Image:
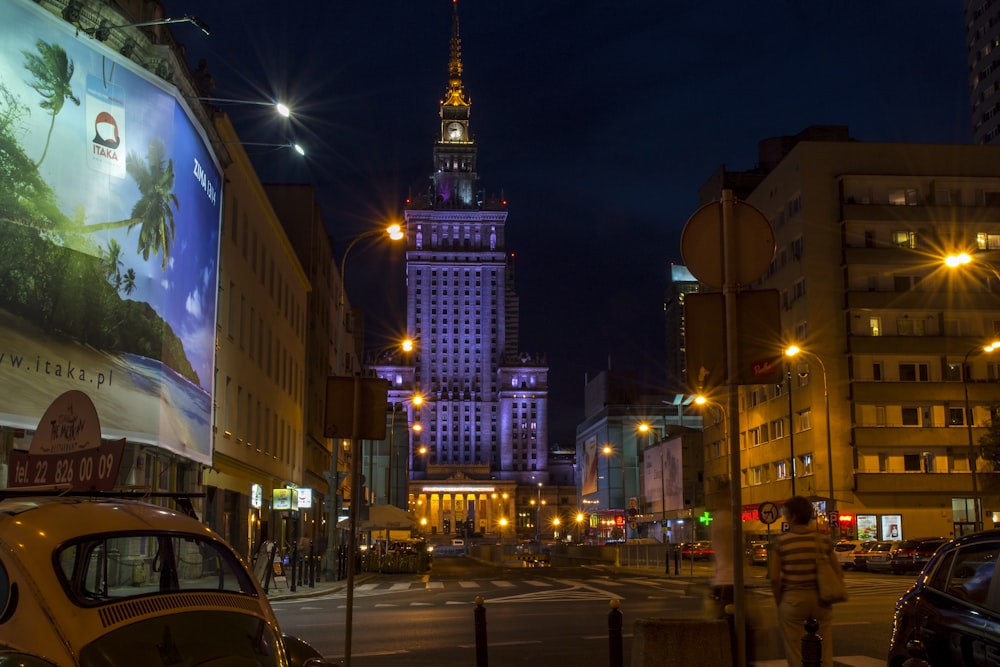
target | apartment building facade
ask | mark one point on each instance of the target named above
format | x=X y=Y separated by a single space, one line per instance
x=872 y=421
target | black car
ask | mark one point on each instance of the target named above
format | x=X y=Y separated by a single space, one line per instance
x=951 y=615
x=912 y=555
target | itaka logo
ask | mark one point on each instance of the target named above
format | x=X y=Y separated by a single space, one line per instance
x=106 y=130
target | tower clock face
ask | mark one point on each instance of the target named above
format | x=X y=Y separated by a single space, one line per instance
x=455 y=130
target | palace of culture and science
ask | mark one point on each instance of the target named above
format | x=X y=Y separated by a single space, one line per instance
x=481 y=431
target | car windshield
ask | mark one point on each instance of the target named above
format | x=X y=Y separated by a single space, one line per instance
x=202 y=638
x=845 y=547
x=908 y=544
x=104 y=568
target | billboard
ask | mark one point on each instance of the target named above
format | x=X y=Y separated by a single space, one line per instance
x=109 y=239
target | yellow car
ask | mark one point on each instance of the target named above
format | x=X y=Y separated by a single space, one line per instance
x=112 y=582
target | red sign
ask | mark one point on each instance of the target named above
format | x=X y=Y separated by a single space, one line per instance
x=93 y=469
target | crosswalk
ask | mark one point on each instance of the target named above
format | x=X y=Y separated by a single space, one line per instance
x=504 y=590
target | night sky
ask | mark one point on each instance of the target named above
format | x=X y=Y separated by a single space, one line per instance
x=598 y=121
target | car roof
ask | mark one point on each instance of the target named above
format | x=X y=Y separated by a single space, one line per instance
x=67 y=517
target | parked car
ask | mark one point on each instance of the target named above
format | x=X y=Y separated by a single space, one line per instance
x=912 y=555
x=103 y=581
x=845 y=551
x=879 y=557
x=951 y=615
x=757 y=553
x=697 y=550
x=861 y=555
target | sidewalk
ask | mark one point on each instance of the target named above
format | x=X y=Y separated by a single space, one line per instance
x=282 y=590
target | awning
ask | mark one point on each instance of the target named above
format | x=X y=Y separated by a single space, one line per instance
x=381 y=517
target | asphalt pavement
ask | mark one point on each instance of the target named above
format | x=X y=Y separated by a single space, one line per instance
x=698 y=573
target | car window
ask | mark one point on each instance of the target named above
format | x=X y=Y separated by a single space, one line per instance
x=969 y=572
x=845 y=547
x=106 y=568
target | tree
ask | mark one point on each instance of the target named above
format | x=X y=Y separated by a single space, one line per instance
x=128 y=283
x=154 y=212
x=113 y=264
x=53 y=71
x=990 y=443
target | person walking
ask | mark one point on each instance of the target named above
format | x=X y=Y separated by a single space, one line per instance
x=793 y=581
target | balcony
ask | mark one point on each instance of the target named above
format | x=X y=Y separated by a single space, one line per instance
x=954 y=484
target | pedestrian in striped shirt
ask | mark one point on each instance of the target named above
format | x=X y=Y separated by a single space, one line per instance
x=793 y=581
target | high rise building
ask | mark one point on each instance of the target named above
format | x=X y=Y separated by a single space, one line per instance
x=982 y=32
x=484 y=421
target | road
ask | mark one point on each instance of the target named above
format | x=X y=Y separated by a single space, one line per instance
x=561 y=614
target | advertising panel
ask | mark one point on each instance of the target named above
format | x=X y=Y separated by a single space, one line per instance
x=867 y=527
x=892 y=527
x=109 y=239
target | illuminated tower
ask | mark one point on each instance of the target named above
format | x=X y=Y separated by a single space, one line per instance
x=487 y=408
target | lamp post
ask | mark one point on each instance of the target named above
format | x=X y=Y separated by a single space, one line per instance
x=282 y=109
x=792 y=351
x=973 y=454
x=416 y=400
x=333 y=509
x=395 y=233
x=791 y=426
x=538 y=515
x=608 y=451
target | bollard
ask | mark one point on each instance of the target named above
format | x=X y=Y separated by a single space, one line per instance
x=677 y=560
x=482 y=658
x=616 y=648
x=269 y=570
x=312 y=566
x=812 y=645
x=294 y=561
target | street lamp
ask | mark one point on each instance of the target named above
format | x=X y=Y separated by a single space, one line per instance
x=292 y=145
x=791 y=426
x=416 y=400
x=973 y=454
x=579 y=527
x=102 y=31
x=608 y=451
x=282 y=109
x=394 y=232
x=792 y=351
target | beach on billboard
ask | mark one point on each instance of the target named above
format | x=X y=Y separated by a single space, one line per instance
x=145 y=404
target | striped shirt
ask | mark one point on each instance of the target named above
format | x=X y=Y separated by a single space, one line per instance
x=798 y=551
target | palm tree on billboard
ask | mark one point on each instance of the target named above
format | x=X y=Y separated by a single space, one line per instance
x=53 y=70
x=153 y=213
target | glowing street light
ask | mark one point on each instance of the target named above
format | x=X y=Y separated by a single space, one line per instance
x=792 y=351
x=280 y=107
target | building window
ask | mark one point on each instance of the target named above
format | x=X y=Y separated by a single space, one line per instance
x=911 y=462
x=904 y=239
x=875 y=326
x=956 y=417
x=877 y=371
x=911 y=416
x=986 y=241
x=913 y=372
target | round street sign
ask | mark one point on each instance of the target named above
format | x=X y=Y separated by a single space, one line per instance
x=768 y=512
x=702 y=244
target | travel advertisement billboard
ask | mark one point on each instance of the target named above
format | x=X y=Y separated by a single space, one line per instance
x=109 y=239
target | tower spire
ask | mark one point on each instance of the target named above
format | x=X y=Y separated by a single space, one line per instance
x=456 y=92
